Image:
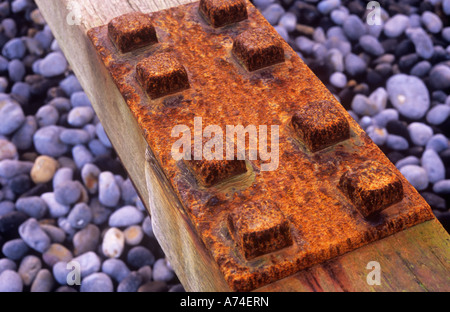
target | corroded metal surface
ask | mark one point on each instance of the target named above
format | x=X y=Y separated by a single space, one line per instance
x=333 y=191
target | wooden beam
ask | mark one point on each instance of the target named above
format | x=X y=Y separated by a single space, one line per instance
x=417 y=259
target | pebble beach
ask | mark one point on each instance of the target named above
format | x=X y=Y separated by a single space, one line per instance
x=65 y=196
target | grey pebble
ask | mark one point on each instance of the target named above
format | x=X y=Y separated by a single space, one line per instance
x=7 y=264
x=16 y=70
x=396 y=142
x=9 y=27
x=421 y=69
x=23 y=137
x=415 y=175
x=10 y=281
x=29 y=268
x=7 y=150
x=140 y=256
x=56 y=234
x=90 y=177
x=66 y=289
x=378 y=135
x=80 y=116
x=74 y=136
x=43 y=281
x=67 y=193
x=410 y=160
x=60 y=272
x=21 y=89
x=339 y=16
x=131 y=283
x=438 y=142
x=353 y=27
x=15 y=249
x=125 y=217
x=335 y=59
x=79 y=98
x=362 y=106
x=420 y=133
x=97 y=282
x=6 y=207
x=54 y=64
x=161 y=272
x=396 y=25
x=98 y=149
x=116 y=269
x=440 y=77
x=61 y=104
x=47 y=115
x=382 y=118
x=409 y=95
x=371 y=45
x=80 y=216
x=446 y=7
x=432 y=22
x=32 y=234
x=70 y=85
x=354 y=65
x=288 y=21
x=14 y=49
x=11 y=115
x=100 y=214
x=446 y=34
x=3 y=84
x=442 y=187
x=273 y=13
x=55 y=209
x=339 y=80
x=421 y=41
x=101 y=134
x=282 y=32
x=146 y=272
x=46 y=141
x=108 y=190
x=128 y=191
x=147 y=227
x=438 y=114
x=33 y=206
x=86 y=239
x=64 y=225
x=56 y=253
x=62 y=175
x=433 y=165
x=326 y=6
x=89 y=263
x=81 y=155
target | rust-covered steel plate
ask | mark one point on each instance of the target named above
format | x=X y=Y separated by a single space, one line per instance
x=332 y=190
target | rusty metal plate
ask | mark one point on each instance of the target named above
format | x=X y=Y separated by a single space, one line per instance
x=333 y=190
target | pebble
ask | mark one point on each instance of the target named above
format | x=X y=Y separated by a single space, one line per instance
x=74 y=136
x=421 y=69
x=89 y=263
x=54 y=64
x=433 y=165
x=67 y=193
x=161 y=272
x=43 y=169
x=7 y=150
x=378 y=135
x=442 y=187
x=326 y=6
x=70 y=85
x=133 y=235
x=108 y=190
x=61 y=104
x=335 y=60
x=81 y=155
x=288 y=21
x=15 y=249
x=432 y=22
x=97 y=282
x=339 y=80
x=55 y=209
x=339 y=16
x=90 y=176
x=362 y=106
x=273 y=13
x=97 y=148
x=130 y=283
x=113 y=243
x=153 y=287
x=125 y=216
x=43 y=282
x=55 y=233
x=79 y=98
x=116 y=269
x=446 y=7
x=354 y=65
x=65 y=226
x=282 y=32
x=46 y=141
x=80 y=216
x=353 y=27
x=60 y=272
x=16 y=71
x=47 y=115
x=100 y=214
x=421 y=41
x=86 y=239
x=420 y=133
x=382 y=118
x=415 y=175
x=128 y=191
x=23 y=137
x=410 y=160
x=147 y=227
x=11 y=115
x=34 y=236
x=62 y=176
x=7 y=264
x=29 y=268
x=371 y=45
x=440 y=77
x=409 y=95
x=56 y=253
x=10 y=281
x=102 y=136
x=396 y=142
x=146 y=272
x=14 y=49
x=33 y=206
x=438 y=143
x=6 y=207
x=140 y=256
x=80 y=116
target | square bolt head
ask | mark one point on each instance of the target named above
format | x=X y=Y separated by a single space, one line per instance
x=223 y=12
x=259 y=228
x=132 y=31
x=211 y=172
x=162 y=74
x=258 y=49
x=320 y=124
x=371 y=187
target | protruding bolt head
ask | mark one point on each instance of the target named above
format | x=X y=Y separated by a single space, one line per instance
x=259 y=228
x=371 y=187
x=223 y=12
x=132 y=31
x=257 y=49
x=320 y=124
x=211 y=172
x=162 y=74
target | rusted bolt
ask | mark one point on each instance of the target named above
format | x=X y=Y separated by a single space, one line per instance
x=320 y=124
x=162 y=74
x=259 y=228
x=223 y=12
x=258 y=49
x=211 y=172
x=131 y=31
x=371 y=187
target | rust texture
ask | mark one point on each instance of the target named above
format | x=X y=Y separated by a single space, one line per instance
x=223 y=12
x=257 y=49
x=132 y=31
x=320 y=124
x=161 y=75
x=261 y=226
